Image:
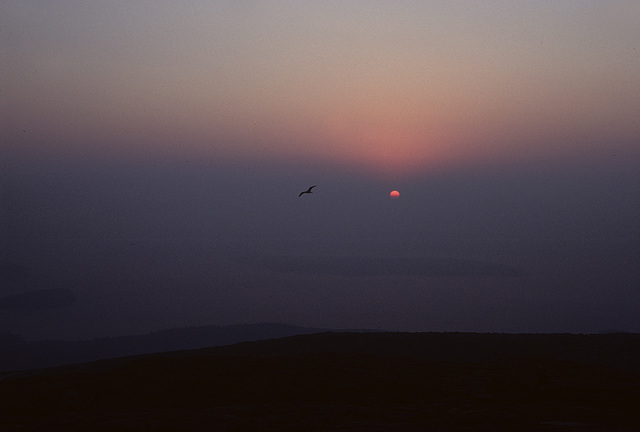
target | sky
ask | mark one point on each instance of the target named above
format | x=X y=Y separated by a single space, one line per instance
x=153 y=153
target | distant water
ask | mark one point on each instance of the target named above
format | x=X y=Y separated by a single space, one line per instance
x=128 y=286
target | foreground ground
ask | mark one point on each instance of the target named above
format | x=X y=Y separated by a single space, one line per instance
x=344 y=382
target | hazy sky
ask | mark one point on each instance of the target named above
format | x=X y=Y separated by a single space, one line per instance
x=416 y=86
x=510 y=128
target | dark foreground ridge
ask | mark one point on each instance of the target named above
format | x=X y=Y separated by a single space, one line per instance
x=16 y=353
x=344 y=382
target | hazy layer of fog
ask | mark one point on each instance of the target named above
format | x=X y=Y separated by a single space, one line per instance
x=148 y=247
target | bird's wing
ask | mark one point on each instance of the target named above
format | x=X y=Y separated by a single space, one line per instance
x=307 y=191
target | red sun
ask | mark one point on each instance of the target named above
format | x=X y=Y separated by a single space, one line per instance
x=394 y=194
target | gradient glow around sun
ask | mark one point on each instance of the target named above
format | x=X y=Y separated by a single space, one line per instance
x=394 y=194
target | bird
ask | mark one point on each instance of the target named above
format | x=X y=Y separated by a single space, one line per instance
x=307 y=191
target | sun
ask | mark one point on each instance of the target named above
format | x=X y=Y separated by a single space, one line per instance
x=394 y=194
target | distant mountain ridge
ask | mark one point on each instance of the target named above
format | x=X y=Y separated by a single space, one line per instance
x=19 y=354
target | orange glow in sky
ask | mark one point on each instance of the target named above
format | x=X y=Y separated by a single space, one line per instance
x=387 y=88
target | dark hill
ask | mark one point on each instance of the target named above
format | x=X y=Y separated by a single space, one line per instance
x=17 y=353
x=345 y=382
x=617 y=349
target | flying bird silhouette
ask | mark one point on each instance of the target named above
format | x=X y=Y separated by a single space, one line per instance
x=307 y=191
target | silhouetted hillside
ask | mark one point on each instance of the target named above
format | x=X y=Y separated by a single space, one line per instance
x=620 y=350
x=345 y=382
x=17 y=353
